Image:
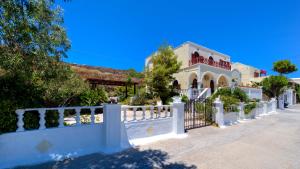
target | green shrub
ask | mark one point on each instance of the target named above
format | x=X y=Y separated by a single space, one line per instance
x=230 y=103
x=249 y=107
x=240 y=94
x=222 y=92
x=93 y=97
x=184 y=99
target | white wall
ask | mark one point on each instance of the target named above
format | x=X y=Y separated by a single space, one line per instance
x=148 y=128
x=21 y=148
x=113 y=135
x=253 y=93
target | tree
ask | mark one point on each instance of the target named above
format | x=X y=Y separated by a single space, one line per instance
x=274 y=86
x=159 y=78
x=284 y=67
x=33 y=43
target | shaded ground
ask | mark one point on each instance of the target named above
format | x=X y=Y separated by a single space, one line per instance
x=272 y=142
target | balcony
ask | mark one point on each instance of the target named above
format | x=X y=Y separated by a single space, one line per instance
x=209 y=61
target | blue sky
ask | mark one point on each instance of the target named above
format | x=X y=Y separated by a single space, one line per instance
x=121 y=34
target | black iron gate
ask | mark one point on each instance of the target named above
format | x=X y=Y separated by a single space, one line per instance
x=198 y=113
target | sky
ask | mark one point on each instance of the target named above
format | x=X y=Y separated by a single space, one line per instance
x=121 y=34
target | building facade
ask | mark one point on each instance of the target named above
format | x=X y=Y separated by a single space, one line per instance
x=202 y=69
x=249 y=73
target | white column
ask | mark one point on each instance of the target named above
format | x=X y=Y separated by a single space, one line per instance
x=281 y=102
x=112 y=127
x=178 y=118
x=265 y=107
x=61 y=117
x=42 y=113
x=219 y=116
x=20 y=122
x=274 y=104
x=241 y=112
x=78 y=122
x=93 y=115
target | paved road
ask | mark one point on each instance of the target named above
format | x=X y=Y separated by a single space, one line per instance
x=272 y=142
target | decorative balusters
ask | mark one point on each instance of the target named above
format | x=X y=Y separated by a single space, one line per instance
x=144 y=113
x=151 y=112
x=42 y=113
x=134 y=113
x=78 y=122
x=166 y=111
x=61 y=117
x=158 y=111
x=92 y=115
x=20 y=122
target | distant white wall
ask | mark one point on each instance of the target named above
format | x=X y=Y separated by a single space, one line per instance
x=253 y=93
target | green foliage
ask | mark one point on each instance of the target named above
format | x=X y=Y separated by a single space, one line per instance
x=230 y=103
x=249 y=107
x=159 y=78
x=273 y=86
x=207 y=107
x=231 y=98
x=134 y=74
x=184 y=99
x=93 y=97
x=284 y=67
x=222 y=92
x=33 y=43
x=240 y=94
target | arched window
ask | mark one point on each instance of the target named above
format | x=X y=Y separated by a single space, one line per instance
x=176 y=84
x=211 y=60
x=195 y=57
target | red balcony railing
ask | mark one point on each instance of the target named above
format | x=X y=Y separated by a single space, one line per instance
x=221 y=64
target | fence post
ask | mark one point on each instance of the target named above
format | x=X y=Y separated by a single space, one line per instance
x=241 y=112
x=281 y=102
x=274 y=104
x=178 y=118
x=220 y=112
x=112 y=127
x=265 y=106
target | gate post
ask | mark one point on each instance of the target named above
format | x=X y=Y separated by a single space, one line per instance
x=220 y=112
x=178 y=118
x=112 y=127
x=241 y=112
x=274 y=106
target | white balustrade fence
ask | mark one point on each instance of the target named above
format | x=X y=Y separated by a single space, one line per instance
x=137 y=113
x=117 y=128
x=61 y=112
x=231 y=115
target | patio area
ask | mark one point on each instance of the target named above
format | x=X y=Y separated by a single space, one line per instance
x=270 y=143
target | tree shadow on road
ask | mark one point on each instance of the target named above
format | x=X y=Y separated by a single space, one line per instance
x=128 y=159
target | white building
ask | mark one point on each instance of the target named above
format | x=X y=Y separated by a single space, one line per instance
x=202 y=71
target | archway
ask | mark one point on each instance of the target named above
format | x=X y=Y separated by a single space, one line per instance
x=193 y=80
x=222 y=81
x=206 y=78
x=195 y=84
x=212 y=86
x=176 y=85
x=195 y=57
